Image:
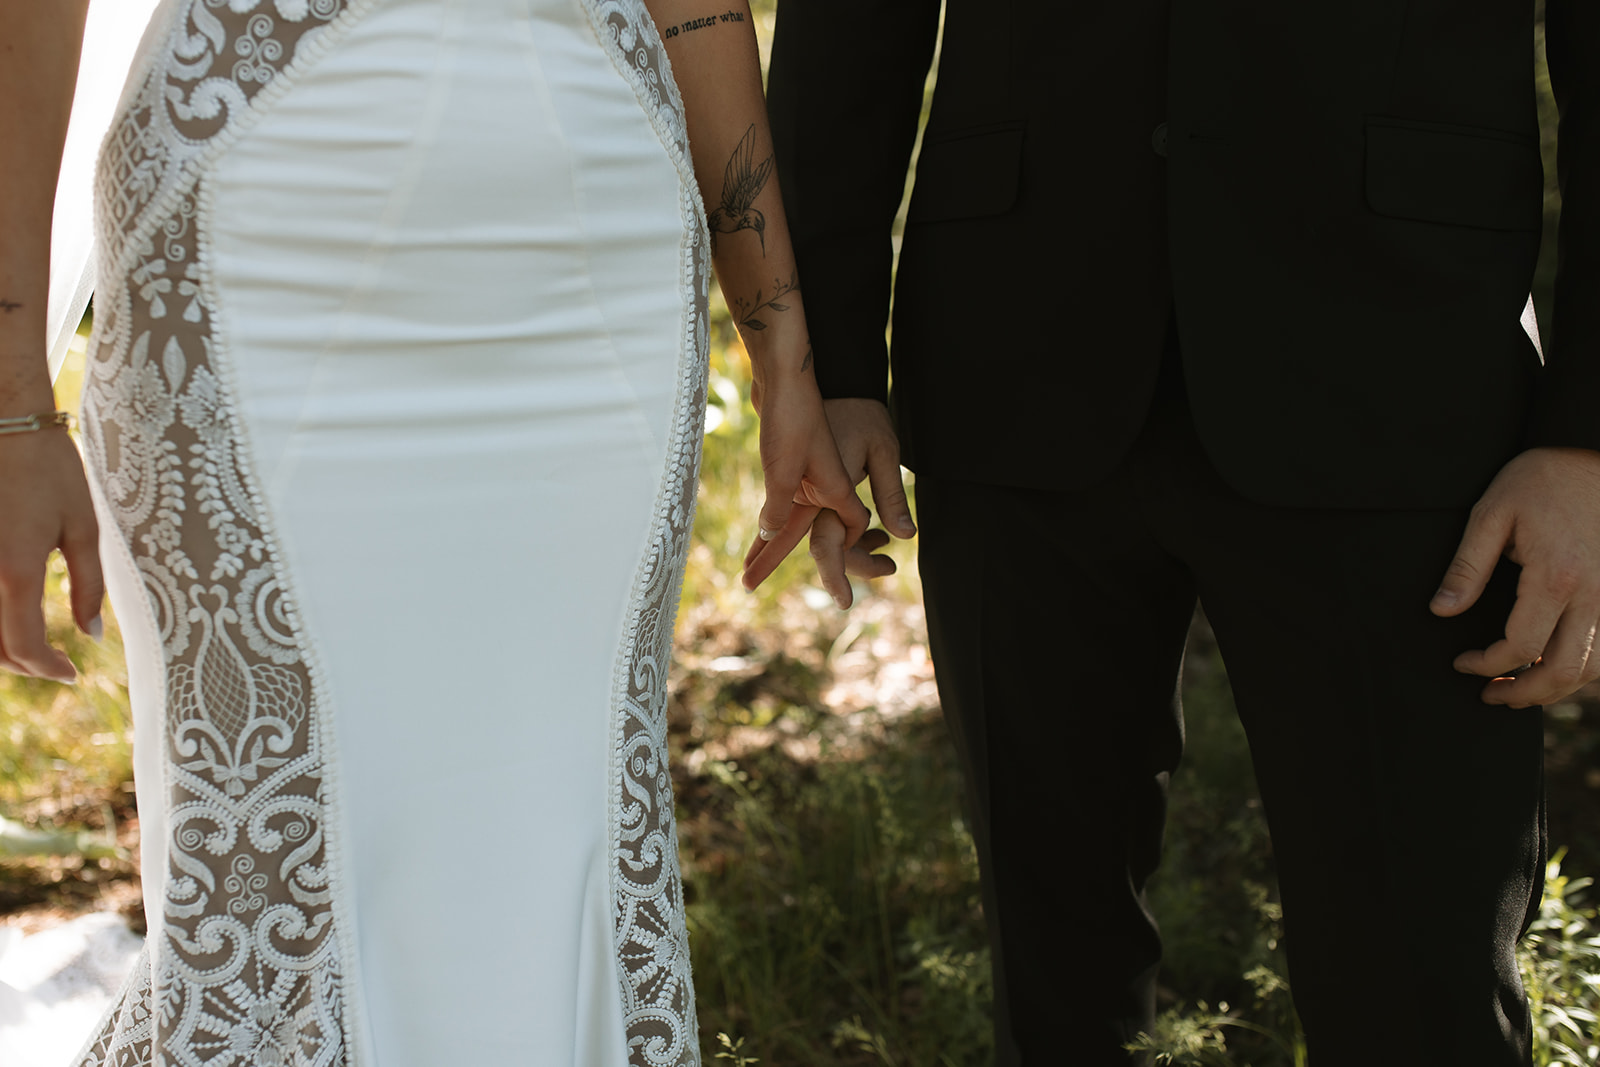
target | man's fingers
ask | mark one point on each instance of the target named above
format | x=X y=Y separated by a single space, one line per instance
x=1568 y=664
x=862 y=562
x=833 y=491
x=1541 y=602
x=873 y=540
x=828 y=533
x=889 y=495
x=839 y=496
x=22 y=634
x=80 y=547
x=1485 y=539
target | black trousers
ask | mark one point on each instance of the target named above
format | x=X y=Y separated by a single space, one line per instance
x=1057 y=623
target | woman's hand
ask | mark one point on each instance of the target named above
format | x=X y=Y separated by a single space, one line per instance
x=44 y=497
x=803 y=473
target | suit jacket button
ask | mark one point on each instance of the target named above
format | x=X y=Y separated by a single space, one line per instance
x=1158 y=140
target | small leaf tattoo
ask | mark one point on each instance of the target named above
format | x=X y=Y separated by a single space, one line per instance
x=748 y=309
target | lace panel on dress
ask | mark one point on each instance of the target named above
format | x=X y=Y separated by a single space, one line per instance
x=245 y=966
x=647 y=888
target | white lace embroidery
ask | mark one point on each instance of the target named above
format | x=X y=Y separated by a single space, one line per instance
x=248 y=964
x=651 y=936
x=245 y=967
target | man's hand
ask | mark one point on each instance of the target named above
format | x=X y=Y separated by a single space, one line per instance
x=869 y=448
x=1543 y=512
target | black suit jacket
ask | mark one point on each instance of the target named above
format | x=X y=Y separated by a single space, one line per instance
x=1341 y=203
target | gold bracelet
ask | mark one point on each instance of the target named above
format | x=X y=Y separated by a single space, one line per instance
x=34 y=423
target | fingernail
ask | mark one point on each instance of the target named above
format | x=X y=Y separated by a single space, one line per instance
x=1444 y=598
x=908 y=528
x=97 y=629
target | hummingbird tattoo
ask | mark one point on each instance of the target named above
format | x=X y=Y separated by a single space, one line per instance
x=742 y=183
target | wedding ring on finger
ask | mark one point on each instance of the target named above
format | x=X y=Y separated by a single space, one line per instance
x=766 y=534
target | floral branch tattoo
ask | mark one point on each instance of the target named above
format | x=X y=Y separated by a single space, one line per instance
x=742 y=183
x=746 y=310
x=8 y=306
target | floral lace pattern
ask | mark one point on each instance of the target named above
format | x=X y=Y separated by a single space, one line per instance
x=652 y=938
x=246 y=966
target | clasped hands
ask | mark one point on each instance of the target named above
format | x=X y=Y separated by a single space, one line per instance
x=861 y=437
x=1542 y=511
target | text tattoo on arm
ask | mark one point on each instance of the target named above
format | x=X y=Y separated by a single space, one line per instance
x=742 y=182
x=669 y=32
x=8 y=306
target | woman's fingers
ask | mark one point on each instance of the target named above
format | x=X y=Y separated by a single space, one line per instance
x=777 y=508
x=80 y=547
x=766 y=553
x=45 y=501
x=23 y=642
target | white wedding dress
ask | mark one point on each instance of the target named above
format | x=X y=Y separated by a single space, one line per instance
x=392 y=413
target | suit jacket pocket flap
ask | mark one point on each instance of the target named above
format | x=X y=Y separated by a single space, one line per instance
x=1454 y=175
x=968 y=174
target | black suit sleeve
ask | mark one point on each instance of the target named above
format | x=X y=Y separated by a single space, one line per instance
x=844 y=94
x=1568 y=408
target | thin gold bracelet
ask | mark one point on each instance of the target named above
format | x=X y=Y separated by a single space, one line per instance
x=34 y=423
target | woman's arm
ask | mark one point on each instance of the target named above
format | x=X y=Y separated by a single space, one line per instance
x=44 y=498
x=712 y=46
x=39 y=45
